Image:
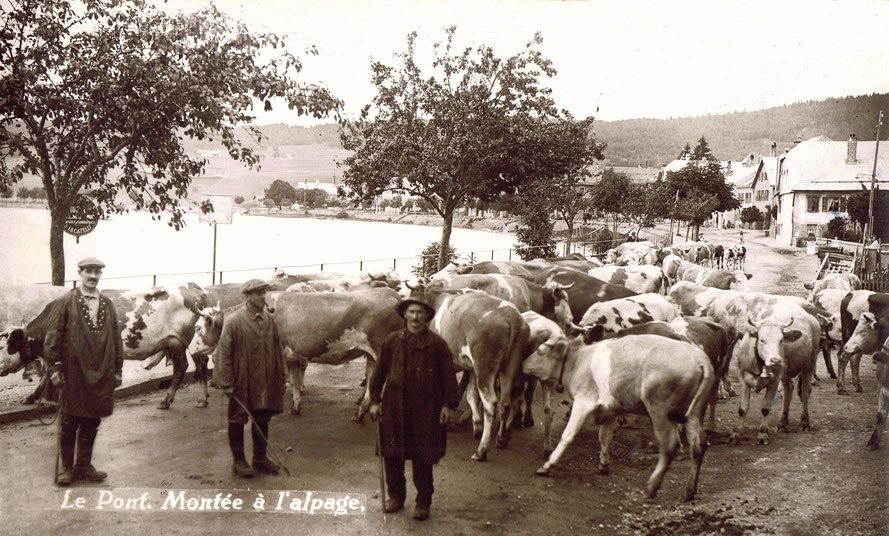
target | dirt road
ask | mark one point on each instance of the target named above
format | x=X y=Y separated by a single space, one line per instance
x=818 y=482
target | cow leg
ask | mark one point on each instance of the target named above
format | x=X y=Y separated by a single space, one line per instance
x=547 y=389
x=697 y=446
x=805 y=390
x=743 y=407
x=487 y=391
x=153 y=360
x=882 y=405
x=828 y=362
x=296 y=371
x=200 y=374
x=364 y=401
x=784 y=423
x=528 y=418
x=580 y=411
x=727 y=384
x=668 y=441
x=606 y=433
x=472 y=399
x=176 y=352
x=855 y=363
x=767 y=400
x=842 y=360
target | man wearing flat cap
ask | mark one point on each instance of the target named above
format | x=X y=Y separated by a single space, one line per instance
x=84 y=353
x=417 y=369
x=251 y=371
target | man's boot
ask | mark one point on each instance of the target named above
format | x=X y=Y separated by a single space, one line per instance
x=83 y=469
x=260 y=462
x=67 y=444
x=236 y=443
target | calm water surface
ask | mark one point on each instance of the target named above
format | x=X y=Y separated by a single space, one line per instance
x=134 y=244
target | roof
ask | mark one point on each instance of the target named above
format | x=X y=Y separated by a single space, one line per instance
x=819 y=164
x=741 y=175
x=766 y=170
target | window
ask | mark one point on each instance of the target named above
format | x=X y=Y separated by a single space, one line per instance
x=811 y=228
x=762 y=195
x=748 y=196
x=830 y=203
x=812 y=202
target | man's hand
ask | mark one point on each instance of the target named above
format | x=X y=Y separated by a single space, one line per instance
x=229 y=391
x=56 y=378
x=118 y=379
x=374 y=412
x=445 y=417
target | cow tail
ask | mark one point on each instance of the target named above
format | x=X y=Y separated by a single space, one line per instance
x=700 y=399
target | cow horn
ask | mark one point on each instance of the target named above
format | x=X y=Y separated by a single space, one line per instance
x=559 y=286
x=787 y=325
x=410 y=286
x=752 y=323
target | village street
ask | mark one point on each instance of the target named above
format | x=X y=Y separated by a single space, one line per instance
x=807 y=483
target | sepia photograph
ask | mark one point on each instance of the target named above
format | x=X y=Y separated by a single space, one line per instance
x=446 y=267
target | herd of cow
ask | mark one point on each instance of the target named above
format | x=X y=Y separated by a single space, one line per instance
x=652 y=333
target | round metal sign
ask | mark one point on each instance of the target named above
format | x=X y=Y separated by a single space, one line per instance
x=83 y=216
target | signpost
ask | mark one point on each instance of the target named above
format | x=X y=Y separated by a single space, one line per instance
x=83 y=217
x=222 y=213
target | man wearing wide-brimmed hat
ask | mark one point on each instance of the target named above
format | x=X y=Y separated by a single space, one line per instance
x=251 y=371
x=84 y=353
x=416 y=367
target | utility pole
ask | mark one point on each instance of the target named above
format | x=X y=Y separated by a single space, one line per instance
x=873 y=180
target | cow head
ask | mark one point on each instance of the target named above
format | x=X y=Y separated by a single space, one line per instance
x=546 y=360
x=207 y=330
x=769 y=343
x=385 y=278
x=12 y=344
x=865 y=338
x=561 y=307
x=740 y=281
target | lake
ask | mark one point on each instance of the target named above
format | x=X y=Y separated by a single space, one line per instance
x=252 y=246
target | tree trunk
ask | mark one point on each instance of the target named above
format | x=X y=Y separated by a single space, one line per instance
x=57 y=245
x=570 y=224
x=445 y=238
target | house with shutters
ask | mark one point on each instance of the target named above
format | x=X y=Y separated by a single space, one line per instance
x=815 y=180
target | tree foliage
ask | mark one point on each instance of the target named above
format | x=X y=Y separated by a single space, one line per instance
x=98 y=96
x=471 y=126
x=535 y=233
x=751 y=215
x=647 y=203
x=428 y=264
x=281 y=193
x=859 y=210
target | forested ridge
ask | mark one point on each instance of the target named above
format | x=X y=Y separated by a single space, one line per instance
x=653 y=142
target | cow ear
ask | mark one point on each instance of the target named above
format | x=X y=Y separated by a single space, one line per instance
x=593 y=334
x=16 y=338
x=792 y=335
x=808 y=285
x=749 y=276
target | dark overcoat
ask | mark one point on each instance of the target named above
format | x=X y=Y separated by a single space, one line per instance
x=90 y=356
x=413 y=402
x=250 y=359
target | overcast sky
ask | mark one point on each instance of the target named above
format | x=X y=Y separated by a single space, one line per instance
x=628 y=59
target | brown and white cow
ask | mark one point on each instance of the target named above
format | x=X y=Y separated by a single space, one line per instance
x=829 y=301
x=583 y=290
x=526 y=269
x=713 y=277
x=615 y=315
x=641 y=279
x=665 y=379
x=350 y=281
x=854 y=304
x=633 y=254
x=703 y=333
x=842 y=281
x=486 y=336
x=670 y=267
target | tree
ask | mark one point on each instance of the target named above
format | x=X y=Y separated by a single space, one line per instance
x=647 y=203
x=836 y=228
x=700 y=179
x=281 y=193
x=610 y=193
x=429 y=259
x=98 y=94
x=473 y=126
x=685 y=153
x=751 y=215
x=859 y=207
x=314 y=197
x=239 y=199
x=535 y=233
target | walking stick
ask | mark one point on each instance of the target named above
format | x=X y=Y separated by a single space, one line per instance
x=271 y=449
x=382 y=475
x=55 y=478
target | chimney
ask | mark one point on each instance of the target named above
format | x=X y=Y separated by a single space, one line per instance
x=773 y=150
x=852 y=150
x=728 y=168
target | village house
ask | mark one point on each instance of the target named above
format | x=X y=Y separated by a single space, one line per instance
x=815 y=180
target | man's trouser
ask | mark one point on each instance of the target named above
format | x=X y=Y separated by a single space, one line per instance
x=236 y=436
x=79 y=432
x=422 y=475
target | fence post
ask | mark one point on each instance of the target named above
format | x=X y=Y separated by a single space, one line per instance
x=393 y=264
x=322 y=267
x=471 y=257
x=510 y=254
x=220 y=277
x=360 y=265
x=154 y=280
x=492 y=254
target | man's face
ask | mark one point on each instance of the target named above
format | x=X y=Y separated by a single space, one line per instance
x=415 y=317
x=256 y=299
x=89 y=277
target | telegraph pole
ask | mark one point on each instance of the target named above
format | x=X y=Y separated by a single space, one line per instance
x=873 y=180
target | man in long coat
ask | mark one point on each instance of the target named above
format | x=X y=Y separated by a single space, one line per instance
x=251 y=371
x=84 y=353
x=416 y=367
